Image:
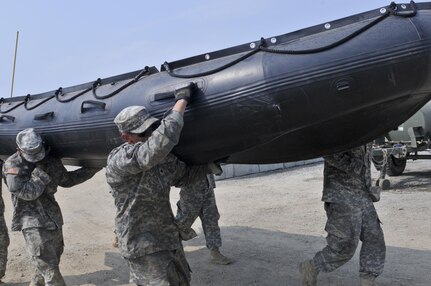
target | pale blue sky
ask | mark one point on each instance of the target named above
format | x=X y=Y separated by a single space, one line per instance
x=65 y=43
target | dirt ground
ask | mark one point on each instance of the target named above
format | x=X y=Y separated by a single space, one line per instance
x=270 y=222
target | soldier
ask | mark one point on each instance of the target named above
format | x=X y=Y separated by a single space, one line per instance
x=140 y=173
x=199 y=200
x=32 y=176
x=348 y=198
x=4 y=237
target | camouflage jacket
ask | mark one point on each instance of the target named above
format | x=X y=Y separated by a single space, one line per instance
x=1 y=195
x=1 y=201
x=347 y=175
x=33 y=188
x=140 y=176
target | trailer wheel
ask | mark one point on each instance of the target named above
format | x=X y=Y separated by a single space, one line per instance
x=396 y=166
x=386 y=184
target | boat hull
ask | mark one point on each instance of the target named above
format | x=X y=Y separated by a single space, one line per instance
x=268 y=107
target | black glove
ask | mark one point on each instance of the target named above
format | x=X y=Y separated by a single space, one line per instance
x=184 y=92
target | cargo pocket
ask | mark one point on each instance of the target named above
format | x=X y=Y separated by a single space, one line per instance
x=33 y=241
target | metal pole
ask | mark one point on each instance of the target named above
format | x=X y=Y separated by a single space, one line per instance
x=14 y=63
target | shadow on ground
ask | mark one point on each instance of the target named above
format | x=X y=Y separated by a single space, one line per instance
x=413 y=181
x=268 y=258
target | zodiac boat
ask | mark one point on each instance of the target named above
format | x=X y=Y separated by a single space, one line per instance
x=290 y=97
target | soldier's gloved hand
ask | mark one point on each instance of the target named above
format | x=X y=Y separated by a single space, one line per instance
x=184 y=92
x=42 y=175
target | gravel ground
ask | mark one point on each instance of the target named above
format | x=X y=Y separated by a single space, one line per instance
x=270 y=222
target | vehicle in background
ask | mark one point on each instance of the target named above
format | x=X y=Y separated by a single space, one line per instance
x=410 y=141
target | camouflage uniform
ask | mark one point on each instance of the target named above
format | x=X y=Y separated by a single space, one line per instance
x=199 y=200
x=37 y=213
x=140 y=176
x=351 y=214
x=4 y=237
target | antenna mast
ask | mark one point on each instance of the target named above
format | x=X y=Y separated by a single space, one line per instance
x=14 y=63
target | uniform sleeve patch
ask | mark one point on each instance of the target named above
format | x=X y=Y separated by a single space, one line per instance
x=12 y=171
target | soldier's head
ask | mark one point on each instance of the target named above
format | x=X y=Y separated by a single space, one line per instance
x=30 y=145
x=135 y=124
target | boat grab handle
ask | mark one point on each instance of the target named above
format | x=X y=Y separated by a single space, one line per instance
x=44 y=116
x=94 y=103
x=164 y=95
x=7 y=117
x=171 y=94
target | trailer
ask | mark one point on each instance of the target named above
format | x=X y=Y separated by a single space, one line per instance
x=410 y=141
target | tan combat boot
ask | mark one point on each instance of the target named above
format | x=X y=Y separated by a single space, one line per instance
x=219 y=258
x=308 y=273
x=367 y=280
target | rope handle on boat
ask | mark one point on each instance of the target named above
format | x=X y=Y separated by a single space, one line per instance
x=59 y=92
x=98 y=83
x=391 y=10
x=10 y=109
x=330 y=46
x=243 y=57
x=28 y=98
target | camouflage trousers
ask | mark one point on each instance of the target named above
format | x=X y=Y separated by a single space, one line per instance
x=198 y=200
x=346 y=225
x=45 y=248
x=163 y=268
x=4 y=243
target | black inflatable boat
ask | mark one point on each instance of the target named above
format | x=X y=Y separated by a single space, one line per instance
x=285 y=98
